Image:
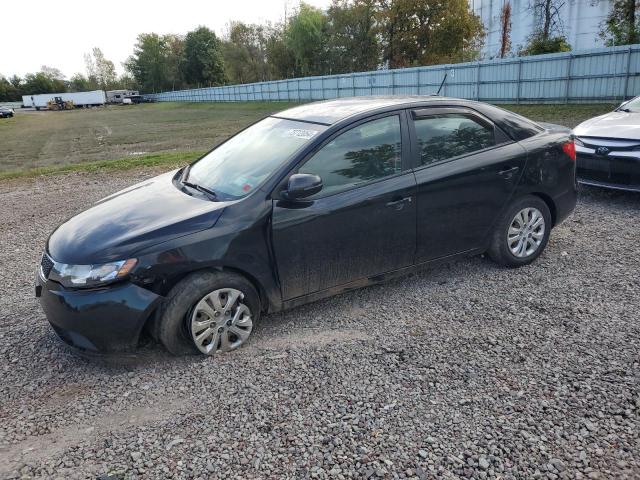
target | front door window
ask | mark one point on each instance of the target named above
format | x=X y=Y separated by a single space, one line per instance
x=365 y=153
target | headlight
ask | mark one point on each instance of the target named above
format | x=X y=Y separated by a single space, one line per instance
x=578 y=142
x=91 y=275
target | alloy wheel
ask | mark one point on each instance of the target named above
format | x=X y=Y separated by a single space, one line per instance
x=220 y=321
x=526 y=232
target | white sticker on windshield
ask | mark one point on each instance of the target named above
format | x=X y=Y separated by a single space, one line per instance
x=300 y=133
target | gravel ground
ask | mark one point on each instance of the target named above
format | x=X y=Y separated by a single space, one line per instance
x=465 y=370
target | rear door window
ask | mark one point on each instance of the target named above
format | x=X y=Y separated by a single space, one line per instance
x=444 y=136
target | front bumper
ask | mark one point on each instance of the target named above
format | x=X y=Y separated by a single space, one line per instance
x=621 y=171
x=105 y=320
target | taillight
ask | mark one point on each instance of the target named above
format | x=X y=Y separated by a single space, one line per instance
x=570 y=149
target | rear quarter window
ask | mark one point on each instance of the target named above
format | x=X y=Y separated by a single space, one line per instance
x=514 y=125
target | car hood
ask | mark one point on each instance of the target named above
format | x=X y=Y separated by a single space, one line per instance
x=611 y=125
x=140 y=216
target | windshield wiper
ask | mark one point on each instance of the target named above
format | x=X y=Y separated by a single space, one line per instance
x=195 y=186
x=202 y=189
x=627 y=110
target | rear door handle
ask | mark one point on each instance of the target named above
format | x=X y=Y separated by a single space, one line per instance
x=398 y=202
x=508 y=172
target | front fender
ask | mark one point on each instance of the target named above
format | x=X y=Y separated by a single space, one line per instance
x=240 y=241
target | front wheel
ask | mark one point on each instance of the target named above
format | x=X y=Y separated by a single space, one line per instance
x=208 y=313
x=522 y=232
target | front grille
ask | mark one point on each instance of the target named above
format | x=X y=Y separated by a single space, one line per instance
x=593 y=162
x=625 y=171
x=46 y=264
x=611 y=169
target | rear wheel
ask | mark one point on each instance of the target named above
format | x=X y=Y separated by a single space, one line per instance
x=522 y=232
x=208 y=313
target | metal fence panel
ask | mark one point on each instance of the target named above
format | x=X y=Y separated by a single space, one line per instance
x=599 y=75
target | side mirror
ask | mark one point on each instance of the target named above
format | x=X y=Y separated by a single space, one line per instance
x=303 y=185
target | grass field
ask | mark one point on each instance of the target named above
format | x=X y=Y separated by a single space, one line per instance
x=49 y=139
x=34 y=143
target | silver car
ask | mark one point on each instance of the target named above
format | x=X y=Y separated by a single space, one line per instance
x=608 y=148
x=6 y=112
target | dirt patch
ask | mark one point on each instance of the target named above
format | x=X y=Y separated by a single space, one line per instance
x=35 y=449
x=311 y=339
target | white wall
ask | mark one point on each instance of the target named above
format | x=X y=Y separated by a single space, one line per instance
x=580 y=21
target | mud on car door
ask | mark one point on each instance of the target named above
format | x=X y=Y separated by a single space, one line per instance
x=362 y=222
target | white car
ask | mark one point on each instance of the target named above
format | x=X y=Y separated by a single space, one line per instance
x=608 y=148
x=6 y=112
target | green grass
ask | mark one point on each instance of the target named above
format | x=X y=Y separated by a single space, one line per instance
x=32 y=140
x=567 y=115
x=155 y=160
x=121 y=137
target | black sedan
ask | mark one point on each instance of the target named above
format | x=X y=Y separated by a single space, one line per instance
x=6 y=112
x=307 y=203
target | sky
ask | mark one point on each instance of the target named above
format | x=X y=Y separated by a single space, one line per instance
x=58 y=34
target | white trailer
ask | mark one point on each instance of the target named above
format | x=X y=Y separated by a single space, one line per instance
x=79 y=99
x=118 y=96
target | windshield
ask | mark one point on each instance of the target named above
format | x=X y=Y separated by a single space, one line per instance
x=631 y=106
x=241 y=164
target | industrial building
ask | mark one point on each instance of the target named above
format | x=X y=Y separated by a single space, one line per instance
x=579 y=21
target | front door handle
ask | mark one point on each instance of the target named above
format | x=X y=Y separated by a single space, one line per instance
x=508 y=172
x=398 y=202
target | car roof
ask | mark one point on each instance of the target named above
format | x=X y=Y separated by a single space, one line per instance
x=329 y=112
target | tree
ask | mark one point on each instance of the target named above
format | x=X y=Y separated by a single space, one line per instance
x=126 y=82
x=9 y=91
x=280 y=58
x=549 y=13
x=175 y=61
x=245 y=53
x=353 y=43
x=548 y=35
x=52 y=72
x=505 y=29
x=622 y=25
x=203 y=63
x=100 y=71
x=305 y=36
x=42 y=82
x=16 y=81
x=538 y=45
x=149 y=63
x=80 y=83
x=427 y=32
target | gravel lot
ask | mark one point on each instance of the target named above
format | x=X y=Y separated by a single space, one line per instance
x=466 y=370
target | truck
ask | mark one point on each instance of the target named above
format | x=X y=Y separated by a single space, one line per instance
x=94 y=98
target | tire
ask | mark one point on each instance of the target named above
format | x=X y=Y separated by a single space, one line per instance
x=183 y=308
x=529 y=241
